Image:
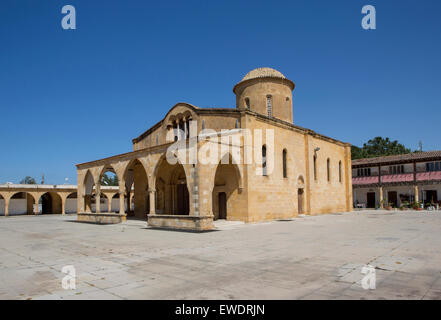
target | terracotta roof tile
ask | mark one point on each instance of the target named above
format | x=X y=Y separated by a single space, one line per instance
x=418 y=156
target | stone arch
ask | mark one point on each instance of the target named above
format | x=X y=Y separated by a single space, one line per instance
x=71 y=203
x=106 y=202
x=136 y=175
x=300 y=194
x=227 y=190
x=179 y=108
x=110 y=197
x=20 y=202
x=173 y=187
x=108 y=168
x=300 y=181
x=2 y=205
x=161 y=160
x=87 y=191
x=51 y=203
x=227 y=158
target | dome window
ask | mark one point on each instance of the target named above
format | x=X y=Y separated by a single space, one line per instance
x=247 y=103
x=269 y=107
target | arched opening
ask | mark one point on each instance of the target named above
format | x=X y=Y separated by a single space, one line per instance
x=108 y=179
x=88 y=186
x=328 y=170
x=137 y=195
x=339 y=171
x=2 y=205
x=300 y=200
x=172 y=195
x=71 y=203
x=247 y=103
x=264 y=171
x=315 y=167
x=50 y=203
x=284 y=160
x=226 y=197
x=20 y=203
x=269 y=107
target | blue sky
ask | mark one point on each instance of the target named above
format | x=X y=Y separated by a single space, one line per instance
x=71 y=96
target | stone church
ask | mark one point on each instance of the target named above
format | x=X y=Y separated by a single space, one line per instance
x=249 y=163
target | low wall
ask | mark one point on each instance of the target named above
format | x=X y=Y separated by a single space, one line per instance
x=16 y=207
x=101 y=218
x=195 y=223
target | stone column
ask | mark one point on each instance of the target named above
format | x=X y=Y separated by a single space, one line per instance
x=152 y=197
x=121 y=203
x=128 y=202
x=37 y=206
x=109 y=204
x=6 y=207
x=63 y=205
x=194 y=191
x=88 y=203
x=381 y=198
x=178 y=130
x=98 y=200
x=417 y=194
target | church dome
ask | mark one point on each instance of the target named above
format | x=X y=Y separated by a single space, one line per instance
x=263 y=73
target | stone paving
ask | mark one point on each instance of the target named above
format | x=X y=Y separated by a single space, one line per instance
x=309 y=257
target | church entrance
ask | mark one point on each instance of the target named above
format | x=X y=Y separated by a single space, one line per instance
x=183 y=199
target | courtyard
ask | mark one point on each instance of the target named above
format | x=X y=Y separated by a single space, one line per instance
x=308 y=257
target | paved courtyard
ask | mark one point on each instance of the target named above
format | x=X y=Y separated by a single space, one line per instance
x=310 y=257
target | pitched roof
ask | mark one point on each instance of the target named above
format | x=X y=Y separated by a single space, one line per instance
x=410 y=157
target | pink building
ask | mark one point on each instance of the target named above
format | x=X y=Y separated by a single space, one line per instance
x=397 y=179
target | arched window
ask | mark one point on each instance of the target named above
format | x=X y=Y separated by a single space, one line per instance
x=236 y=124
x=157 y=139
x=285 y=172
x=264 y=160
x=203 y=124
x=315 y=167
x=269 y=107
x=175 y=131
x=339 y=171
x=247 y=103
x=328 y=169
x=187 y=128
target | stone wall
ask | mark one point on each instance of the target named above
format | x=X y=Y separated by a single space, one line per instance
x=193 y=223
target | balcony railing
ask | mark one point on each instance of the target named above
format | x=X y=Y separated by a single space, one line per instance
x=396 y=178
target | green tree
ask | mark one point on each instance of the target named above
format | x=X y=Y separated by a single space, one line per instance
x=28 y=180
x=109 y=180
x=379 y=147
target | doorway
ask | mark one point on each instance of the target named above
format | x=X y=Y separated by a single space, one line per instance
x=431 y=196
x=300 y=200
x=183 y=199
x=46 y=203
x=222 y=205
x=370 y=200
x=392 y=198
